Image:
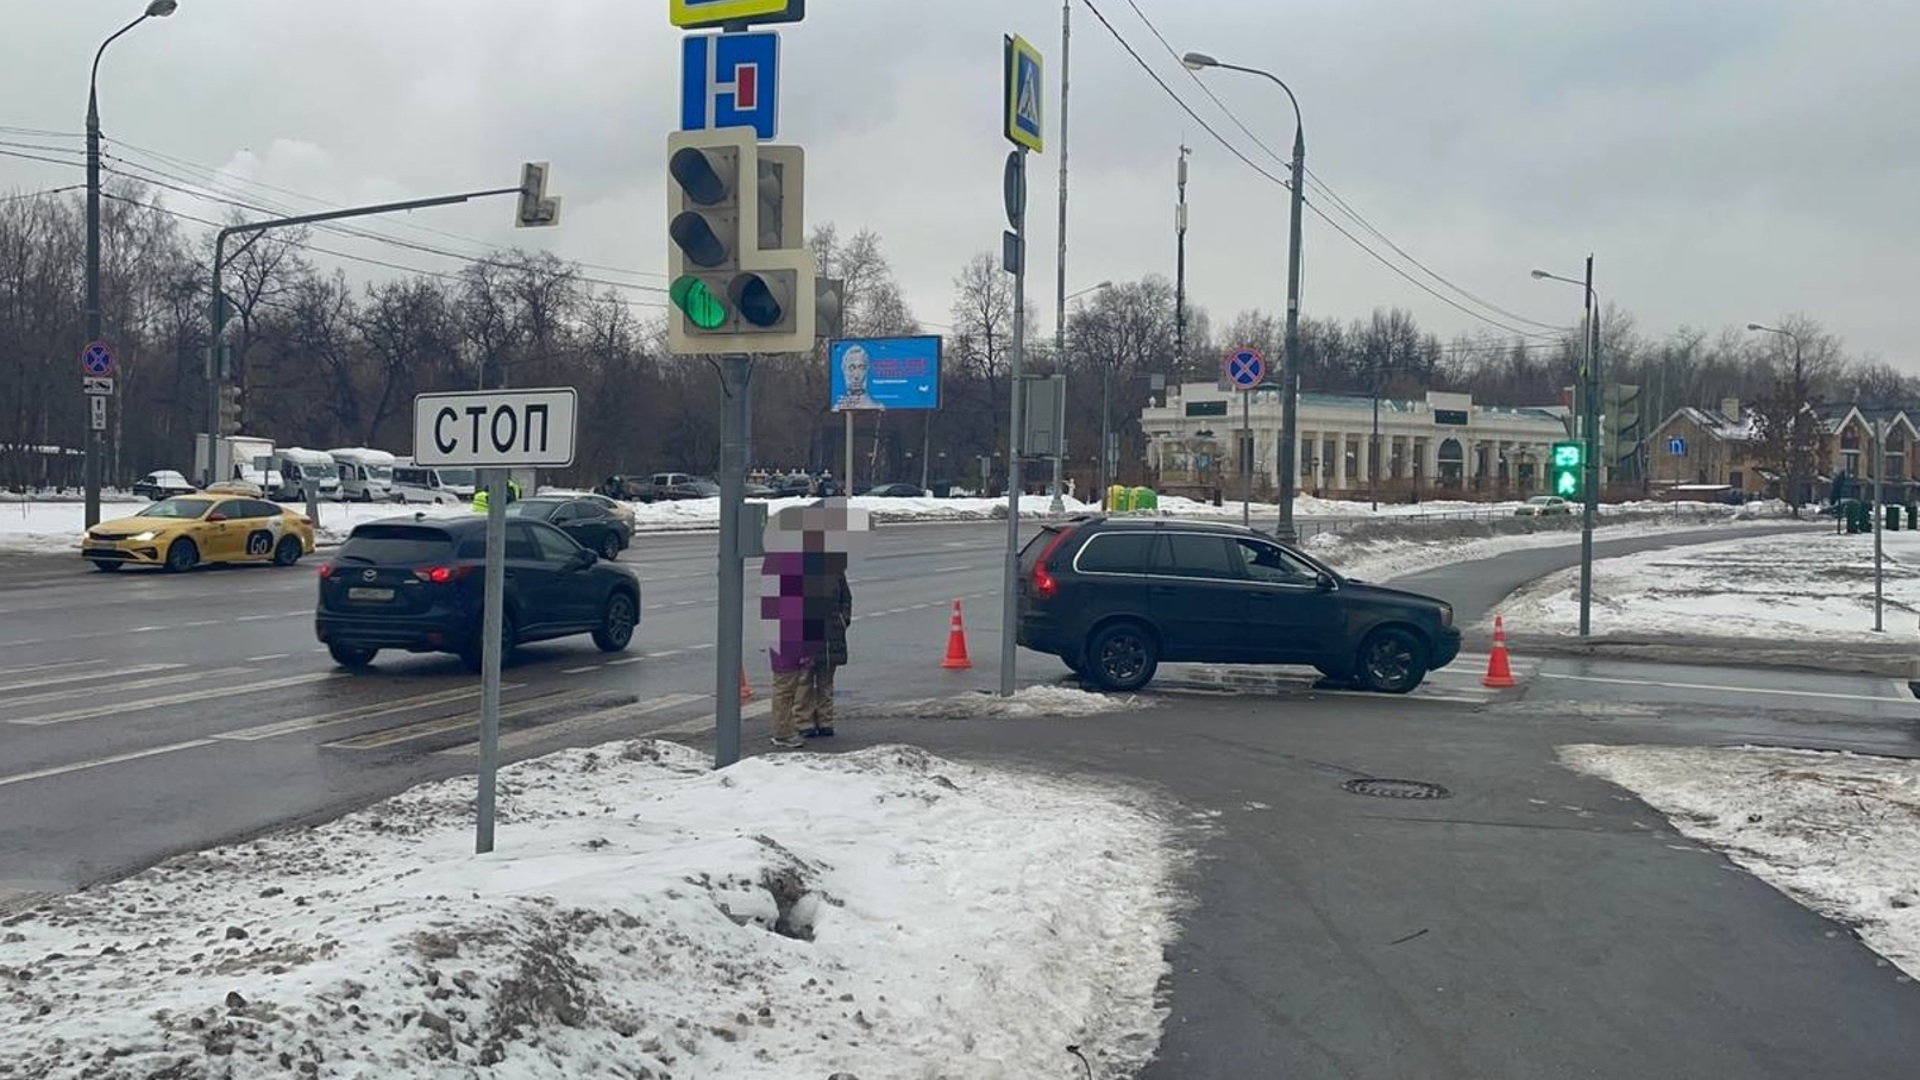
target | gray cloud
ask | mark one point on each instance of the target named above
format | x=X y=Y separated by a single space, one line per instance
x=1725 y=160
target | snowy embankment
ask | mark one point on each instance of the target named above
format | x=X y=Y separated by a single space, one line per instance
x=1806 y=584
x=1834 y=831
x=880 y=913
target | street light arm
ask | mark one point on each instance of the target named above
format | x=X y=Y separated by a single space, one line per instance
x=93 y=77
x=1299 y=125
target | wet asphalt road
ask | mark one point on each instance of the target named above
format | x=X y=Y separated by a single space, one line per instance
x=1534 y=924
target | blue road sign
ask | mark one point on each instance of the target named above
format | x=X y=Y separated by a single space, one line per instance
x=1246 y=368
x=97 y=358
x=884 y=373
x=731 y=80
x=1677 y=446
x=1024 y=90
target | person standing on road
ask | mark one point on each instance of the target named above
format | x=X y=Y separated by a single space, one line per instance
x=832 y=587
x=791 y=581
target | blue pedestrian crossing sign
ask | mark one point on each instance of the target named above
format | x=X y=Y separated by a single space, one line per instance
x=1246 y=368
x=731 y=80
x=1024 y=88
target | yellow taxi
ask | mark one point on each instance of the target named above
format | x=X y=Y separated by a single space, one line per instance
x=184 y=531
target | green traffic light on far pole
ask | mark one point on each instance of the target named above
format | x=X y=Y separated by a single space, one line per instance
x=703 y=309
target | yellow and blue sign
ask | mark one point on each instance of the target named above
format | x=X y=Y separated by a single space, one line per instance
x=884 y=373
x=1024 y=89
x=694 y=14
x=731 y=80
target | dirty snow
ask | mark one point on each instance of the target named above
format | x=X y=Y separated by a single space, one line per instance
x=1802 y=585
x=1837 y=832
x=1023 y=704
x=886 y=913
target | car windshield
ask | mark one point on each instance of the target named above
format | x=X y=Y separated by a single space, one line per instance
x=380 y=472
x=179 y=509
x=457 y=477
x=386 y=545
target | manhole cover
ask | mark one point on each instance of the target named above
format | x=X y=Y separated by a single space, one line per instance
x=1382 y=788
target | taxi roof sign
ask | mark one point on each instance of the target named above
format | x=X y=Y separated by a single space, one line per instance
x=698 y=14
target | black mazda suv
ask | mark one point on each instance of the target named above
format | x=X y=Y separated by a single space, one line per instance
x=418 y=584
x=1114 y=597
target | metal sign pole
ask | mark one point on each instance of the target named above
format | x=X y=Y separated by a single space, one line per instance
x=1010 y=587
x=493 y=626
x=1879 y=522
x=735 y=387
x=1246 y=459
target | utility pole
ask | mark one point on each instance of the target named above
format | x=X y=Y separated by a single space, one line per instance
x=1180 y=272
x=1290 y=393
x=1591 y=421
x=1060 y=260
x=1879 y=513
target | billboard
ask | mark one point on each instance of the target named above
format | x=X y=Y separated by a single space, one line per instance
x=884 y=373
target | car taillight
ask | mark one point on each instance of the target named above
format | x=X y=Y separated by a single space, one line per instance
x=326 y=571
x=1044 y=583
x=440 y=575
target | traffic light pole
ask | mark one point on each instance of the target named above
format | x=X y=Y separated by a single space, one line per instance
x=217 y=308
x=736 y=390
x=1590 y=408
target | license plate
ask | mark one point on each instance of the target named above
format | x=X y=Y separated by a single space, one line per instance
x=374 y=595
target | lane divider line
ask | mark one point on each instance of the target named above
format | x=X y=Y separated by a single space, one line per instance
x=81 y=766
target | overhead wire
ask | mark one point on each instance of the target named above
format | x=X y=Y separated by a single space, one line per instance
x=1310 y=204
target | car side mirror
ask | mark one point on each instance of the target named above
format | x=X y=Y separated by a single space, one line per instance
x=582 y=559
x=216 y=516
x=1323 y=581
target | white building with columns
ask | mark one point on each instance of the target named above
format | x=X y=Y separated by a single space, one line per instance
x=1441 y=446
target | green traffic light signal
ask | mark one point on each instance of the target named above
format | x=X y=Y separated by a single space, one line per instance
x=1569 y=461
x=703 y=309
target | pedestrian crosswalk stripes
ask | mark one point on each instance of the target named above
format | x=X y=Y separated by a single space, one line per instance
x=89 y=672
x=133 y=684
x=227 y=690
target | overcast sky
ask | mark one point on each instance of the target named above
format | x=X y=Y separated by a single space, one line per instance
x=1724 y=160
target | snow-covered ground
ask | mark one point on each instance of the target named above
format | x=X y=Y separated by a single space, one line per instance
x=1024 y=704
x=1833 y=831
x=1805 y=584
x=881 y=913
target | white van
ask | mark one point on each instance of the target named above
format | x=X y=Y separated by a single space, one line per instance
x=298 y=466
x=424 y=484
x=365 y=475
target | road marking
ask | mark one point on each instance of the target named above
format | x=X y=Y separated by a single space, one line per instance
x=702 y=724
x=137 y=684
x=264 y=659
x=362 y=712
x=95 y=671
x=625 y=662
x=32 y=668
x=78 y=766
x=950 y=569
x=1828 y=695
x=661 y=655
x=580 y=670
x=173 y=699
x=379 y=740
x=514 y=740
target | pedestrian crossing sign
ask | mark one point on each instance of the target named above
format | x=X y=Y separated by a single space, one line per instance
x=1023 y=93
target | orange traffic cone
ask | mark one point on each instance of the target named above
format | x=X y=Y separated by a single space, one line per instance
x=746 y=688
x=1499 y=675
x=956 y=644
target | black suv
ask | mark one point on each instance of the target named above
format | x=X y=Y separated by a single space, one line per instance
x=418 y=584
x=1115 y=597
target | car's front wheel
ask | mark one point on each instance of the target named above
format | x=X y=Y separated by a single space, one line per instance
x=182 y=556
x=351 y=656
x=617 y=621
x=474 y=656
x=1392 y=661
x=1122 y=656
x=287 y=551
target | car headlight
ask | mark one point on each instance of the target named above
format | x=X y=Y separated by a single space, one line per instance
x=141 y=538
x=1446 y=614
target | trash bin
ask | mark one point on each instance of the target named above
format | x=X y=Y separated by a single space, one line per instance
x=1859 y=517
x=1913 y=517
x=1144 y=498
x=1893 y=518
x=1118 y=500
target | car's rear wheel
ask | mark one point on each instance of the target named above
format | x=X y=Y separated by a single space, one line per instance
x=1391 y=661
x=615 y=632
x=351 y=656
x=1122 y=656
x=474 y=655
x=105 y=565
x=182 y=556
x=287 y=551
x=610 y=547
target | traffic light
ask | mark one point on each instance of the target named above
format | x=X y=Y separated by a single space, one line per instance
x=229 y=409
x=830 y=308
x=536 y=208
x=741 y=277
x=1623 y=432
x=1568 y=470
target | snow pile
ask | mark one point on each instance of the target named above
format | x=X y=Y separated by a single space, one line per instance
x=1794 y=586
x=1839 y=833
x=1381 y=557
x=1025 y=704
x=883 y=913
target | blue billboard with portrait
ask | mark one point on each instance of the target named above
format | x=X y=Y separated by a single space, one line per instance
x=884 y=373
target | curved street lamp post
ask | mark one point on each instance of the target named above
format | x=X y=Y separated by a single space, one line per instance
x=1290 y=377
x=157 y=9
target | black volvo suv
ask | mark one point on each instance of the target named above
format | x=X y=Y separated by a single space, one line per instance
x=1114 y=597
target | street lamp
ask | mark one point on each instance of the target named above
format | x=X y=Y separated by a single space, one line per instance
x=1060 y=357
x=1290 y=390
x=157 y=9
x=1590 y=423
